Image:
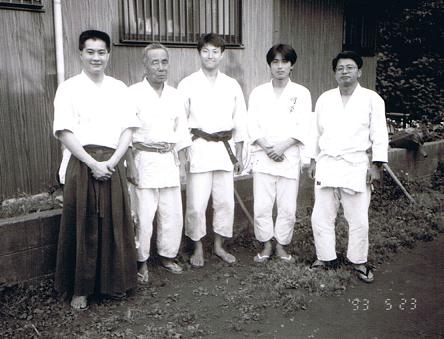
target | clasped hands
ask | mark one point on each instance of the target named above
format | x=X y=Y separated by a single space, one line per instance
x=102 y=170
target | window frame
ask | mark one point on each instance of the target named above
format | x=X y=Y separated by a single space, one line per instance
x=232 y=41
x=360 y=27
x=19 y=5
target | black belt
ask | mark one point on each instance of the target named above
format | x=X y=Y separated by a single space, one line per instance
x=223 y=136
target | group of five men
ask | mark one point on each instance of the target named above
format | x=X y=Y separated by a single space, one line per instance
x=200 y=128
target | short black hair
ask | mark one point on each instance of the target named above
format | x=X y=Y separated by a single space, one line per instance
x=347 y=55
x=95 y=35
x=287 y=52
x=211 y=38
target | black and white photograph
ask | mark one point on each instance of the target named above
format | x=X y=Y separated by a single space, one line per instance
x=221 y=169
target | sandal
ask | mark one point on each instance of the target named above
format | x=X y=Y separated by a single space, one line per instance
x=287 y=258
x=318 y=264
x=171 y=266
x=364 y=272
x=117 y=296
x=143 y=278
x=328 y=265
x=261 y=258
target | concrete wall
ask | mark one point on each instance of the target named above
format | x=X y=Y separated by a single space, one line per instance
x=28 y=244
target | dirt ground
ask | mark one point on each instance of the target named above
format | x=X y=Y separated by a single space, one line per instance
x=275 y=299
x=405 y=301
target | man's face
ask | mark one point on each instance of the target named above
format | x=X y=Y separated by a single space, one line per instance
x=347 y=73
x=210 y=57
x=94 y=57
x=156 y=66
x=280 y=68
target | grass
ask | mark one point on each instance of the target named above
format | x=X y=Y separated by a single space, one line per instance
x=26 y=204
x=242 y=294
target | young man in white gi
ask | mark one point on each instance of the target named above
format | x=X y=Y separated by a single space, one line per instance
x=153 y=163
x=93 y=118
x=349 y=122
x=278 y=113
x=217 y=117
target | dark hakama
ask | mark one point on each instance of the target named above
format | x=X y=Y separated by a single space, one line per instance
x=96 y=250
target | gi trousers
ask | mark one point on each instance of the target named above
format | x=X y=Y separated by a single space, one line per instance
x=167 y=203
x=267 y=189
x=200 y=186
x=327 y=202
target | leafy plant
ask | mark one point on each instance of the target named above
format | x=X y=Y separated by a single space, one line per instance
x=410 y=65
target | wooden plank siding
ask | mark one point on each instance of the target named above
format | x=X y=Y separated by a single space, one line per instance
x=28 y=155
x=247 y=65
x=314 y=28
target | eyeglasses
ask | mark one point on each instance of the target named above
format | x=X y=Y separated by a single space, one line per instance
x=348 y=68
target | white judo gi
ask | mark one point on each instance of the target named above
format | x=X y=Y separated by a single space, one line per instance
x=163 y=121
x=277 y=119
x=342 y=136
x=212 y=108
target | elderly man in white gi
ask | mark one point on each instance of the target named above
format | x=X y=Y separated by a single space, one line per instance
x=278 y=113
x=217 y=117
x=349 y=124
x=153 y=164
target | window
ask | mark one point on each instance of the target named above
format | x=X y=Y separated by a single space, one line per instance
x=33 y=5
x=360 y=25
x=180 y=22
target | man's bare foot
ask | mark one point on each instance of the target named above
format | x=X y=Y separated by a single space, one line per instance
x=79 y=302
x=197 y=258
x=142 y=274
x=220 y=251
x=224 y=255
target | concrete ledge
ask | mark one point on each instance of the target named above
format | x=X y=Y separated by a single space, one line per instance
x=28 y=244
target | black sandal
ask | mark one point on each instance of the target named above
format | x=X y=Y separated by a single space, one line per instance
x=364 y=275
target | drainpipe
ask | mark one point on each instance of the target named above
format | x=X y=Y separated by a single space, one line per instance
x=60 y=65
x=58 y=33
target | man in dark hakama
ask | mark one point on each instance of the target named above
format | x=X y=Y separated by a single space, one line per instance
x=92 y=118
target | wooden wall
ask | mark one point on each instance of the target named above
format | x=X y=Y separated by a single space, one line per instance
x=314 y=29
x=28 y=155
x=247 y=65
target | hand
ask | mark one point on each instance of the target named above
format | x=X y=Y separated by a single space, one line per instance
x=274 y=153
x=111 y=165
x=238 y=167
x=373 y=174
x=184 y=169
x=100 y=170
x=312 y=169
x=132 y=175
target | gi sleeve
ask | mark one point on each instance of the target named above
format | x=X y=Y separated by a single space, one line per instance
x=64 y=114
x=185 y=96
x=129 y=118
x=239 y=115
x=255 y=131
x=312 y=149
x=182 y=131
x=302 y=114
x=378 y=129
